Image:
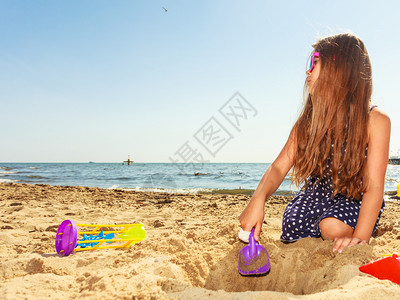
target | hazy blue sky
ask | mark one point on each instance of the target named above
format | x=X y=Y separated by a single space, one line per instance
x=98 y=80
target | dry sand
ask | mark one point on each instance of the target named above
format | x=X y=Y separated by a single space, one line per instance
x=191 y=250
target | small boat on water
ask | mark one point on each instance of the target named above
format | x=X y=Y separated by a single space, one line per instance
x=129 y=161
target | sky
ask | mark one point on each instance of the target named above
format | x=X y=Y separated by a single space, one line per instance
x=217 y=81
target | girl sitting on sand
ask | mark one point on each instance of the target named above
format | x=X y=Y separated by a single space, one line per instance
x=338 y=149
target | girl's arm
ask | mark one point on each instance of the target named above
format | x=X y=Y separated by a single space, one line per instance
x=377 y=160
x=253 y=214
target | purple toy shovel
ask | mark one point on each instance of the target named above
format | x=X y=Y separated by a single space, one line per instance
x=253 y=258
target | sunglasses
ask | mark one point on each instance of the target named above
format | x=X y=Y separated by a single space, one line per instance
x=311 y=64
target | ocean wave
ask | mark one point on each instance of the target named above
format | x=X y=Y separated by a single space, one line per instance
x=114 y=187
x=5 y=168
x=391 y=197
x=36 y=177
x=8 y=181
x=389 y=179
x=190 y=191
x=3 y=173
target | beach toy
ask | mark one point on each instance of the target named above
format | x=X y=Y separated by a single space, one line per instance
x=92 y=237
x=386 y=268
x=253 y=258
x=398 y=190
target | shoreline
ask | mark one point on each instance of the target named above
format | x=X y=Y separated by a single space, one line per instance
x=190 y=250
x=388 y=195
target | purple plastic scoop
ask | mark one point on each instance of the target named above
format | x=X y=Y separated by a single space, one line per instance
x=253 y=258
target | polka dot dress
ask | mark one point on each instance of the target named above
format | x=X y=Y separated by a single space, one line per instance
x=303 y=214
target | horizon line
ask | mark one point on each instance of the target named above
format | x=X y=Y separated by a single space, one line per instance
x=119 y=162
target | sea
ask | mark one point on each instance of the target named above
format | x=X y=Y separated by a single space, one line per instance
x=225 y=178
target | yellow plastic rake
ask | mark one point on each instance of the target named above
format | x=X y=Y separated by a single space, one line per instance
x=92 y=239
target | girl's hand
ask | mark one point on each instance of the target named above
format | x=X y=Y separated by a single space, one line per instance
x=341 y=243
x=253 y=216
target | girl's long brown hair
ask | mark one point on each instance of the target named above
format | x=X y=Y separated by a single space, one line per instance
x=332 y=127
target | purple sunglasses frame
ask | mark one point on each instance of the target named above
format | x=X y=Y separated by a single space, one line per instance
x=312 y=63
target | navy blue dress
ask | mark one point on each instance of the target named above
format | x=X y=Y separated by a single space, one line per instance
x=303 y=214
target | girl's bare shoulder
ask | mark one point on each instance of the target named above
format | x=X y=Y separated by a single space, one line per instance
x=379 y=121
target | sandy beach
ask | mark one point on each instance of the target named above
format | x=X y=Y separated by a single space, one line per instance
x=190 y=252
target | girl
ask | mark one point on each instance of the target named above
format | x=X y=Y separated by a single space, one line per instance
x=338 y=149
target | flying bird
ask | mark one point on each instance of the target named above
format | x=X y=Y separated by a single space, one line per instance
x=165 y=9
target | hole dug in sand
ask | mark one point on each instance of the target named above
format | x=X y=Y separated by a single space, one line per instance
x=304 y=267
